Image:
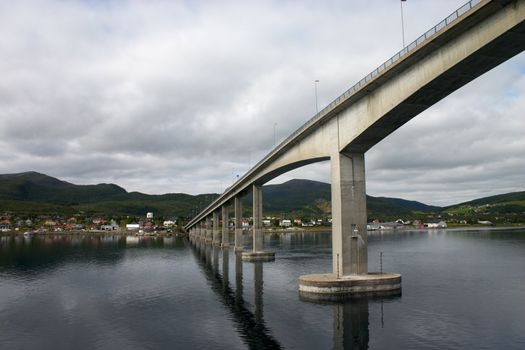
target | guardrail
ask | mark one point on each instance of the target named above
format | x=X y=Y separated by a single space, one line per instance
x=361 y=83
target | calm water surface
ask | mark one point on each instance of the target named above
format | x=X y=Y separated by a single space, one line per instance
x=461 y=289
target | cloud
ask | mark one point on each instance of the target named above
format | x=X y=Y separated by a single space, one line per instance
x=182 y=96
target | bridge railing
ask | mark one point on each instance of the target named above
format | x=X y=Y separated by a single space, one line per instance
x=361 y=83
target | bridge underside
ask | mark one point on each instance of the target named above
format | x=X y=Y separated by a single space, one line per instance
x=483 y=60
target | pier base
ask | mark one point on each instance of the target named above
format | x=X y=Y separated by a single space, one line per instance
x=258 y=256
x=328 y=286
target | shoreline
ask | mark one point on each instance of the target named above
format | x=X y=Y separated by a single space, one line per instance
x=323 y=229
x=411 y=229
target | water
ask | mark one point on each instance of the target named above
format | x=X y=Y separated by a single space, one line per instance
x=461 y=289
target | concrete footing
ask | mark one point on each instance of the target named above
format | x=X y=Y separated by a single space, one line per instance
x=258 y=256
x=328 y=286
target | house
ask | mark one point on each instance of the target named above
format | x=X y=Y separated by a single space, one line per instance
x=168 y=223
x=285 y=223
x=50 y=222
x=99 y=221
x=5 y=225
x=435 y=224
x=372 y=226
x=267 y=222
x=484 y=222
x=112 y=226
x=132 y=227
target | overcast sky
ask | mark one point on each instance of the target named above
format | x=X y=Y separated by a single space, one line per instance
x=181 y=96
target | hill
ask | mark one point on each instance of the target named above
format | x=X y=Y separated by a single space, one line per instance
x=502 y=208
x=306 y=197
x=32 y=193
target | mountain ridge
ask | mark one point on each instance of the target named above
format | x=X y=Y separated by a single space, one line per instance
x=34 y=192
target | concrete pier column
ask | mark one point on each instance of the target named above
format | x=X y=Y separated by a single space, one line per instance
x=238 y=224
x=216 y=230
x=208 y=233
x=258 y=237
x=349 y=237
x=200 y=229
x=225 y=227
x=258 y=253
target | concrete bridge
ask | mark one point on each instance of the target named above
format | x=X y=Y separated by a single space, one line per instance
x=471 y=41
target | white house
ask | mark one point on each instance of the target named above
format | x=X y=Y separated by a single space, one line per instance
x=132 y=227
x=285 y=223
x=168 y=223
x=436 y=224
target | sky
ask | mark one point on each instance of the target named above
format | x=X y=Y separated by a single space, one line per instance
x=183 y=96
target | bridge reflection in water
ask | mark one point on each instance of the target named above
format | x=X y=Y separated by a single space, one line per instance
x=350 y=316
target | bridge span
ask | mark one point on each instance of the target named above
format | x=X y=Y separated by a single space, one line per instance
x=471 y=41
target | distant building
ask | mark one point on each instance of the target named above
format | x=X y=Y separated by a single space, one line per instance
x=484 y=222
x=5 y=225
x=132 y=227
x=99 y=221
x=149 y=215
x=267 y=222
x=112 y=226
x=50 y=223
x=436 y=224
x=376 y=225
x=285 y=223
x=168 y=223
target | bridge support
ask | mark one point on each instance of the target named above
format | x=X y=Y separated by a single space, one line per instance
x=216 y=231
x=225 y=227
x=208 y=233
x=198 y=230
x=238 y=223
x=257 y=253
x=349 y=237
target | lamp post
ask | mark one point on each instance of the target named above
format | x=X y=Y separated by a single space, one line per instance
x=402 y=23
x=316 y=105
